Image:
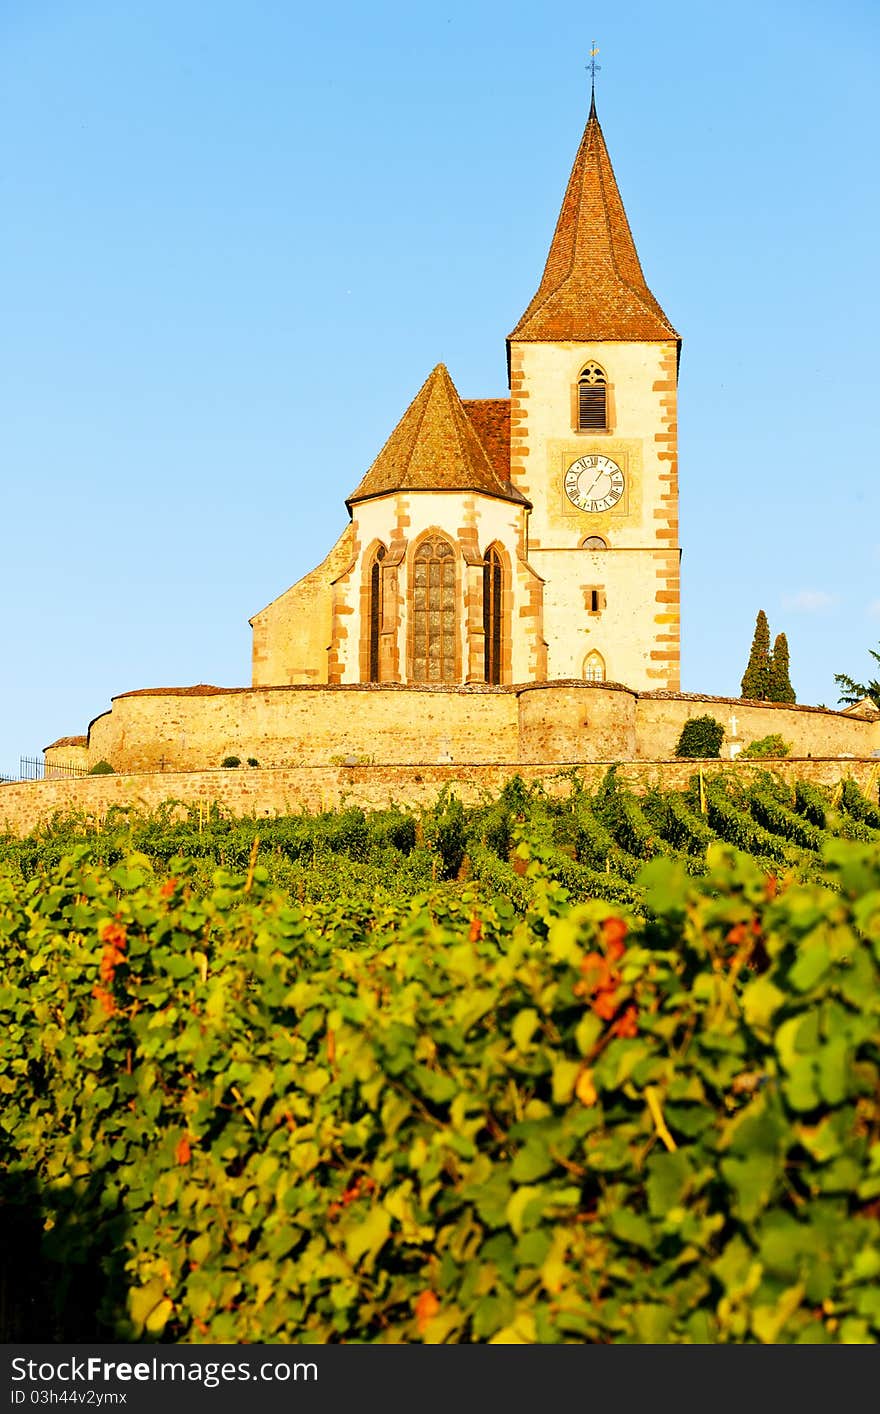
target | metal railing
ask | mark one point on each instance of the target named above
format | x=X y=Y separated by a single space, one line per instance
x=32 y=768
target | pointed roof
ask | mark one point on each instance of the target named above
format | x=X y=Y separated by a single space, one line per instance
x=434 y=447
x=593 y=286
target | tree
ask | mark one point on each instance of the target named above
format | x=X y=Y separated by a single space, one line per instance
x=700 y=737
x=854 y=691
x=779 y=687
x=756 y=678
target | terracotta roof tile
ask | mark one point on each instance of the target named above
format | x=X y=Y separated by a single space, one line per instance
x=436 y=447
x=593 y=286
x=490 y=418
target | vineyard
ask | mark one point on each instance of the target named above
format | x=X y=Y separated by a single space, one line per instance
x=593 y=1068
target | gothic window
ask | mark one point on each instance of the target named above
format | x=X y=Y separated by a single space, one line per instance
x=594 y=667
x=594 y=542
x=591 y=404
x=434 y=617
x=375 y=612
x=492 y=610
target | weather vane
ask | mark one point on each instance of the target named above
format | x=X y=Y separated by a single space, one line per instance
x=594 y=69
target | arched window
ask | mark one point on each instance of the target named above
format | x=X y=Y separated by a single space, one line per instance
x=594 y=542
x=434 y=617
x=375 y=613
x=592 y=405
x=594 y=667
x=493 y=586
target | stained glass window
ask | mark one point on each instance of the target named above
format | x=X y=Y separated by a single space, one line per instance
x=492 y=610
x=434 y=616
x=375 y=612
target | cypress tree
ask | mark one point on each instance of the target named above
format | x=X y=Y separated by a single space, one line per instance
x=780 y=688
x=756 y=678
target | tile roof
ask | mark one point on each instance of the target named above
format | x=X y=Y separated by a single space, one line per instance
x=436 y=446
x=593 y=286
x=491 y=421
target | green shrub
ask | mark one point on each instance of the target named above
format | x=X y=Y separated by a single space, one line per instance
x=102 y=768
x=772 y=746
x=231 y=761
x=252 y=761
x=700 y=737
x=444 y=828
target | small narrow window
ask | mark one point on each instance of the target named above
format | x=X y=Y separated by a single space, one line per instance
x=375 y=612
x=594 y=667
x=592 y=405
x=492 y=605
x=594 y=601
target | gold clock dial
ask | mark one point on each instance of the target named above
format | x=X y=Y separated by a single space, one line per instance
x=594 y=483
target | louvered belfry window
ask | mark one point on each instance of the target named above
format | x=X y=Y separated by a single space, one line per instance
x=592 y=391
x=434 y=612
x=375 y=611
x=492 y=608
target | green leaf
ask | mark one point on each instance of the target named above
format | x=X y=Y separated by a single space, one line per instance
x=768 y=1322
x=752 y=1181
x=587 y=1032
x=631 y=1227
x=525 y=1208
x=565 y=1073
x=834 y=1071
x=812 y=964
x=369 y=1236
x=669 y=1177
x=524 y=1027
x=532 y=1161
x=144 y=1300
x=761 y=999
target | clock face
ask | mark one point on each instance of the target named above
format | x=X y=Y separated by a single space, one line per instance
x=594 y=483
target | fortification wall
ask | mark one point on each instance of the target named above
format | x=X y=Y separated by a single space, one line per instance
x=25 y=805
x=193 y=729
x=811 y=731
x=577 y=722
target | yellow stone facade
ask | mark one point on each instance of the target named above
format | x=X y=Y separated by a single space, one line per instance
x=491 y=477
x=635 y=627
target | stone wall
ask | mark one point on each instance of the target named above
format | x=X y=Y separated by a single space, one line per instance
x=26 y=805
x=292 y=635
x=810 y=731
x=577 y=722
x=193 y=729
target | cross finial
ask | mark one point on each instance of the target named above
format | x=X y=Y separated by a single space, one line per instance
x=594 y=69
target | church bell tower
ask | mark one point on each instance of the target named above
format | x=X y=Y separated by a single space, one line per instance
x=593 y=383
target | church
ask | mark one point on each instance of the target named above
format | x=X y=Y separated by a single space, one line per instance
x=506 y=591
x=524 y=539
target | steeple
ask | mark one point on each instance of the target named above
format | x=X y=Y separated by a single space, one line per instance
x=593 y=287
x=434 y=447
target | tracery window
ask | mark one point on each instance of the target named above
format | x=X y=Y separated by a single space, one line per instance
x=594 y=667
x=493 y=588
x=434 y=617
x=375 y=613
x=592 y=410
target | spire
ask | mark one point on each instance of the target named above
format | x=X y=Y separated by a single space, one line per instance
x=434 y=447
x=593 y=286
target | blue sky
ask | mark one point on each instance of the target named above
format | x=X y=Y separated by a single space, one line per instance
x=237 y=237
